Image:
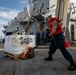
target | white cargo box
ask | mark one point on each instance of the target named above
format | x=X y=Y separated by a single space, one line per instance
x=17 y=44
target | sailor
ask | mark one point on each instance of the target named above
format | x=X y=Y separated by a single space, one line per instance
x=58 y=40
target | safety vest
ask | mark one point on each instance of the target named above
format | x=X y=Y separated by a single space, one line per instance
x=59 y=27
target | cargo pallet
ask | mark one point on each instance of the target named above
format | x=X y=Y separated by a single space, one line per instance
x=12 y=56
x=24 y=55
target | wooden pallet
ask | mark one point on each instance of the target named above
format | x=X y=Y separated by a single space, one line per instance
x=12 y=56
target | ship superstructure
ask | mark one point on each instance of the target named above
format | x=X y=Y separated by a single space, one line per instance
x=30 y=19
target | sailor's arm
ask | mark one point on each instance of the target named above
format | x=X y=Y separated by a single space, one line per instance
x=55 y=24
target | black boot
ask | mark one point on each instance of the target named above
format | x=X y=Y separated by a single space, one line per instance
x=48 y=59
x=72 y=66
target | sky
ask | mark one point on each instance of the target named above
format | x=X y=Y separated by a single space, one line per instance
x=10 y=9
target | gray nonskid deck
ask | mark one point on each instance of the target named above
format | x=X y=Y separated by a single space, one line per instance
x=37 y=65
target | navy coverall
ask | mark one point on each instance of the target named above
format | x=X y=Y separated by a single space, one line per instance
x=58 y=41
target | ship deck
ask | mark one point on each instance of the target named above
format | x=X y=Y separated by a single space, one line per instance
x=37 y=65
